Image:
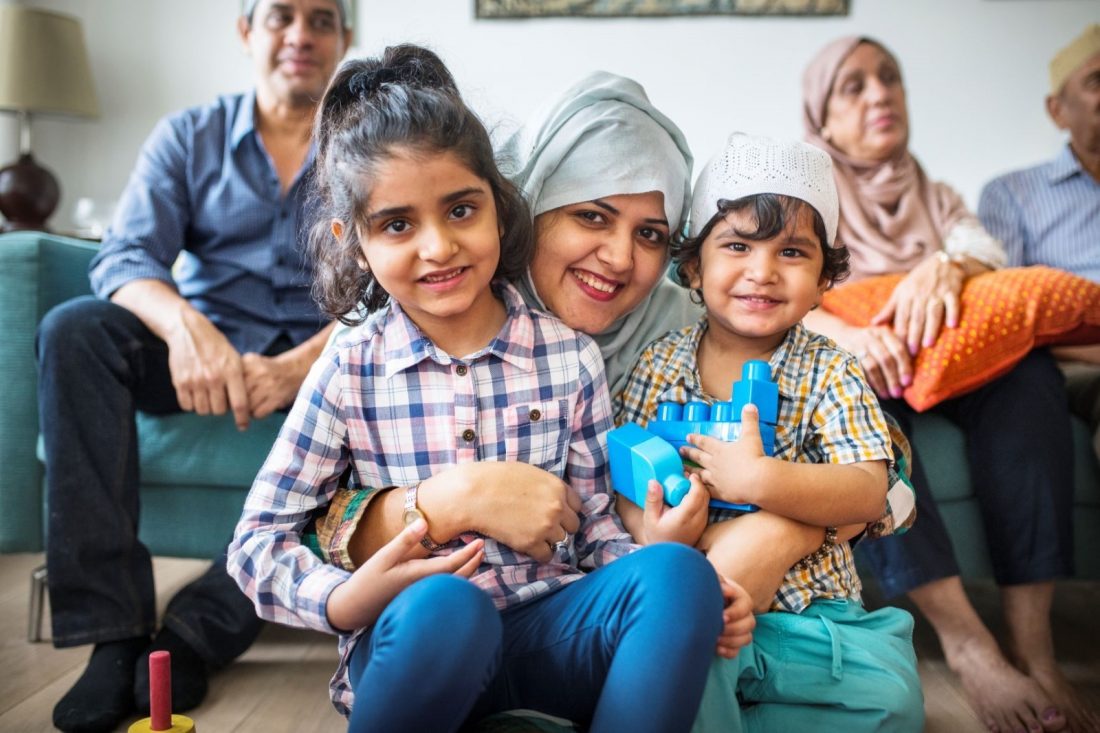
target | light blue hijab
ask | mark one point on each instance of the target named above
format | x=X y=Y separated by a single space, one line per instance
x=602 y=137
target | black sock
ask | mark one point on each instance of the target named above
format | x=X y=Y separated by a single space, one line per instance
x=188 y=674
x=103 y=696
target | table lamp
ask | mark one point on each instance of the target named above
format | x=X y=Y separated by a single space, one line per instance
x=44 y=69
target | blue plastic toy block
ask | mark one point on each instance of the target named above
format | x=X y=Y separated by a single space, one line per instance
x=638 y=455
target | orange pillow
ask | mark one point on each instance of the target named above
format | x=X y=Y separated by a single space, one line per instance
x=1004 y=314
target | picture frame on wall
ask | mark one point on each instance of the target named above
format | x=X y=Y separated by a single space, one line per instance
x=655 y=8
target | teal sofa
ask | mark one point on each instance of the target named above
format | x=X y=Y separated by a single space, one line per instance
x=196 y=470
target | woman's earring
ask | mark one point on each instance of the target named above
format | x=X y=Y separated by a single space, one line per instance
x=696 y=296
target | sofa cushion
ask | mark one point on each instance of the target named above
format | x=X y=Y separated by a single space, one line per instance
x=199 y=450
x=1003 y=315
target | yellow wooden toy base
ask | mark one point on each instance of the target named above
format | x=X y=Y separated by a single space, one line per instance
x=180 y=724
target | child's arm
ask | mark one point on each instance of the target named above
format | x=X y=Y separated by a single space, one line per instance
x=601 y=537
x=824 y=494
x=661 y=523
x=286 y=582
x=360 y=600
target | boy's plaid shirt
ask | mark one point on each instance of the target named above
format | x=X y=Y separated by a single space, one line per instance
x=827 y=414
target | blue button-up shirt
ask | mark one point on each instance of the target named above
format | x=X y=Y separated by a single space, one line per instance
x=1047 y=215
x=205 y=191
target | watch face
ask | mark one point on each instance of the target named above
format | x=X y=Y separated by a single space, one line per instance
x=411 y=515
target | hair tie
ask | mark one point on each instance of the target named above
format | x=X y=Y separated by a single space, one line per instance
x=366 y=84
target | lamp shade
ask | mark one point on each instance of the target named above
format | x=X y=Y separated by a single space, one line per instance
x=44 y=64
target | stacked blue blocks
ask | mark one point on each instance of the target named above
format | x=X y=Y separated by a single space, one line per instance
x=639 y=455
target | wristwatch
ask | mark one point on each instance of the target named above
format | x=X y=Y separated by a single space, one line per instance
x=412 y=513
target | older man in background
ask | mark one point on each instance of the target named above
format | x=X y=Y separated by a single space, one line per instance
x=1050 y=214
x=221 y=187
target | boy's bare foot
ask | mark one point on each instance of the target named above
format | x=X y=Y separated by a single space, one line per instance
x=1080 y=716
x=1004 y=699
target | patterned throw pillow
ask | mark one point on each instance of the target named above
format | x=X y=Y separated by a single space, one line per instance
x=1004 y=314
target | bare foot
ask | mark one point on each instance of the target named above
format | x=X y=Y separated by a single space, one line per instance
x=1004 y=699
x=1080 y=716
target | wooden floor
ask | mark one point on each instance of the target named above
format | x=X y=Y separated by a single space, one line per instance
x=281 y=684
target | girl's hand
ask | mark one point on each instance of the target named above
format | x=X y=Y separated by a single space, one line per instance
x=517 y=504
x=733 y=471
x=884 y=357
x=684 y=523
x=359 y=601
x=923 y=302
x=737 y=619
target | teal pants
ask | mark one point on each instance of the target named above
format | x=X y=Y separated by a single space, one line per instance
x=832 y=667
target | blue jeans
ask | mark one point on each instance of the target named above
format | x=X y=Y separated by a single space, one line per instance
x=626 y=648
x=97 y=365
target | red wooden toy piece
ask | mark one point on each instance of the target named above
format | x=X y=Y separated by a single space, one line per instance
x=161 y=719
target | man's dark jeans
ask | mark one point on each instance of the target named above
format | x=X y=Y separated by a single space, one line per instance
x=97 y=365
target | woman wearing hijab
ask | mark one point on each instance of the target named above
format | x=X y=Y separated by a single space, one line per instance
x=894 y=219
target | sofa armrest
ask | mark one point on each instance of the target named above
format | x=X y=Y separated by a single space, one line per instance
x=37 y=271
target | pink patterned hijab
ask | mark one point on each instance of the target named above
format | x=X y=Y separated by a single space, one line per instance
x=891 y=215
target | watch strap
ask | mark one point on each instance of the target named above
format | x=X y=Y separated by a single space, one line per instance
x=412 y=505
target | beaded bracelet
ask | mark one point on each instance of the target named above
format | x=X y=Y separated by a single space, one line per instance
x=820 y=553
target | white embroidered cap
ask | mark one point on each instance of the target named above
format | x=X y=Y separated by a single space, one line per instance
x=752 y=164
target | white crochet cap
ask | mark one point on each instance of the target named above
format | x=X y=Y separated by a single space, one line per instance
x=752 y=164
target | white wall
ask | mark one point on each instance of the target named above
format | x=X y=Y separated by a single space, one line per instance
x=975 y=70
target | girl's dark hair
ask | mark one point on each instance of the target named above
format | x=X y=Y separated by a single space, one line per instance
x=405 y=98
x=772 y=213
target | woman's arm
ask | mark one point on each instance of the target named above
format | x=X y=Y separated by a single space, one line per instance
x=884 y=357
x=517 y=504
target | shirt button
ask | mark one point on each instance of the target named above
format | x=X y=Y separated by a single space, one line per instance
x=461 y=370
x=536 y=414
x=468 y=435
x=284 y=214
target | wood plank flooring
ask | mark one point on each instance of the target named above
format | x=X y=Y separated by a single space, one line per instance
x=281 y=684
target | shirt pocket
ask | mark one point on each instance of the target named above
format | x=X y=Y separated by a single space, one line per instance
x=537 y=433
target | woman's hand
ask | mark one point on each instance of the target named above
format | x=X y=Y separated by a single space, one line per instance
x=737 y=619
x=360 y=600
x=883 y=356
x=923 y=302
x=520 y=505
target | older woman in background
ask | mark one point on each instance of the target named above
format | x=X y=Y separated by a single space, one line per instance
x=894 y=219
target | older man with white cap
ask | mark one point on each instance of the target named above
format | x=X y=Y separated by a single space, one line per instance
x=1050 y=214
x=234 y=330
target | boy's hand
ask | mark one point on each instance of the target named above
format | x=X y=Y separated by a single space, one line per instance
x=684 y=523
x=398 y=564
x=732 y=471
x=737 y=619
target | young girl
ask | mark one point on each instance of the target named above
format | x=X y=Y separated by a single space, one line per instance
x=451 y=367
x=762 y=251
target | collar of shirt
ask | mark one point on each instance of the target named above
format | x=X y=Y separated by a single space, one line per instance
x=407 y=346
x=687 y=376
x=245 y=122
x=1064 y=167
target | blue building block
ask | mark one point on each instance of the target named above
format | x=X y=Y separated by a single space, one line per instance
x=630 y=447
x=638 y=457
